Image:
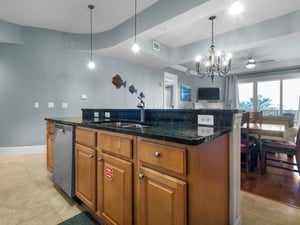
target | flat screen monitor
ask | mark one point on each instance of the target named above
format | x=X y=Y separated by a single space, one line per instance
x=209 y=93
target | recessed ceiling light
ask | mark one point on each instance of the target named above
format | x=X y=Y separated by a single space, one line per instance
x=236 y=8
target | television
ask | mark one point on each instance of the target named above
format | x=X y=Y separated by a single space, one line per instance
x=209 y=93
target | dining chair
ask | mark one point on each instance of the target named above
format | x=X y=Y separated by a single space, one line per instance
x=247 y=145
x=284 y=147
x=255 y=118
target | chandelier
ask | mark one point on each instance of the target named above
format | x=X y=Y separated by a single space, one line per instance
x=215 y=63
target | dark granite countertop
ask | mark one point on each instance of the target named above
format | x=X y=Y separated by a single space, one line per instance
x=178 y=132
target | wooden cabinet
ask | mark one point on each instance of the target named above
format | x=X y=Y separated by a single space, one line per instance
x=129 y=180
x=49 y=145
x=114 y=189
x=114 y=179
x=85 y=166
x=162 y=198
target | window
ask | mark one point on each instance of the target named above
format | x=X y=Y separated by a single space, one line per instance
x=246 y=96
x=273 y=95
x=291 y=98
x=268 y=97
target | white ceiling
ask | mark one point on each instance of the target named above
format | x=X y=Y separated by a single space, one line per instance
x=182 y=30
x=70 y=15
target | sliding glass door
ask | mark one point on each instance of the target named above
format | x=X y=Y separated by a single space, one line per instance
x=272 y=95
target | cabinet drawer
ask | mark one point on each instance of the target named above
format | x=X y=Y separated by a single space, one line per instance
x=50 y=127
x=163 y=156
x=117 y=144
x=86 y=137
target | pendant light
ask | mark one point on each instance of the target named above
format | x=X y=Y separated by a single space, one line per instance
x=91 y=64
x=135 y=48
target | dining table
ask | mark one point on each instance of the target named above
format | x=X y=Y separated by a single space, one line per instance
x=266 y=129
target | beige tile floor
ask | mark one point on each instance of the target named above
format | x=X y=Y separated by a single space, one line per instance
x=27 y=194
x=28 y=197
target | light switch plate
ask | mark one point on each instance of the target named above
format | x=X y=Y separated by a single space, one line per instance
x=64 y=105
x=36 y=105
x=206 y=120
x=83 y=97
x=50 y=104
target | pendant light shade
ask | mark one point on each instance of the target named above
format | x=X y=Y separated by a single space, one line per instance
x=135 y=48
x=91 y=64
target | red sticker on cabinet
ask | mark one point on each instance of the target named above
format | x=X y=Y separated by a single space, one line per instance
x=108 y=173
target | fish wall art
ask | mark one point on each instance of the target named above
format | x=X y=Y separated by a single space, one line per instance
x=118 y=81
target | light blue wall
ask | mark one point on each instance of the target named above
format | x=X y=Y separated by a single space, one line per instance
x=43 y=70
x=194 y=82
x=39 y=65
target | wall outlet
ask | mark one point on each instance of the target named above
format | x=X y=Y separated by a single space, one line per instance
x=205 y=131
x=107 y=114
x=206 y=119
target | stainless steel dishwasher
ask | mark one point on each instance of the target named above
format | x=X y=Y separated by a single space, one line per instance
x=63 y=158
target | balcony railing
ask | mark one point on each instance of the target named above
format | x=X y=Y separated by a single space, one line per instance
x=274 y=112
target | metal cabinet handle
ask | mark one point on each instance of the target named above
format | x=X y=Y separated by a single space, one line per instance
x=91 y=155
x=157 y=154
x=141 y=176
x=100 y=159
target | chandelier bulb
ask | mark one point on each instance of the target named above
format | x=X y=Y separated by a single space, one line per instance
x=198 y=58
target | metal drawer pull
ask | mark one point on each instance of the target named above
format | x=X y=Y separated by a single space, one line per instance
x=100 y=159
x=156 y=154
x=141 y=176
x=91 y=155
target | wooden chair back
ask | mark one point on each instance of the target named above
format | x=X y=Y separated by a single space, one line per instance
x=245 y=131
x=255 y=117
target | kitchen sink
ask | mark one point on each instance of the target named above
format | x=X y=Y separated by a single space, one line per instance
x=125 y=125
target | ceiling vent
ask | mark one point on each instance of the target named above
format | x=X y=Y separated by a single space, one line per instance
x=156 y=45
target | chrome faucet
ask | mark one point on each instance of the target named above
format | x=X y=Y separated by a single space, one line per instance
x=141 y=105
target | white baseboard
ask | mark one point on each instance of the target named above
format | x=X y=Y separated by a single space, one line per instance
x=37 y=149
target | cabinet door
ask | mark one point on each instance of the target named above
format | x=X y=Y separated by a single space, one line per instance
x=114 y=190
x=162 y=199
x=50 y=152
x=85 y=175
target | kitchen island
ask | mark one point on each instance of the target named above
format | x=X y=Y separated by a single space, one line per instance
x=168 y=170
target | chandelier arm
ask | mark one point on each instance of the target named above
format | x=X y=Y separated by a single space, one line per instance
x=201 y=75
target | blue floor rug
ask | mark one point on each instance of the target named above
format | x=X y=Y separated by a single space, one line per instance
x=83 y=218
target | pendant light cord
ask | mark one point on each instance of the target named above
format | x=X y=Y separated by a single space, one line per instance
x=91 y=19
x=135 y=21
x=91 y=7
